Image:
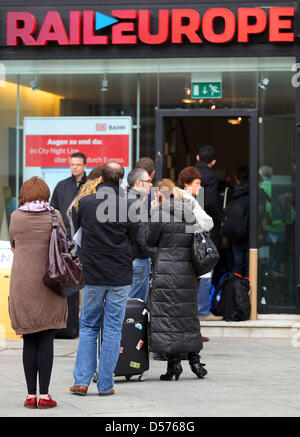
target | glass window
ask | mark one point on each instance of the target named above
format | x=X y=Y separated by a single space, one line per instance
x=8 y=162
x=136 y=88
x=277 y=174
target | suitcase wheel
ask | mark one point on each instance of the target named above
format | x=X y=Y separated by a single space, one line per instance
x=143 y=376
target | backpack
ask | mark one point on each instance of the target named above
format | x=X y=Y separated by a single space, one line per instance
x=236 y=221
x=234 y=302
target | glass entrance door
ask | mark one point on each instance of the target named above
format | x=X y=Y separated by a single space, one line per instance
x=272 y=199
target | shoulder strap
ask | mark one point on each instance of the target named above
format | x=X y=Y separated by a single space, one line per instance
x=54 y=218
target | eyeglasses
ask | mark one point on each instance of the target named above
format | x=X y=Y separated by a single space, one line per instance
x=148 y=180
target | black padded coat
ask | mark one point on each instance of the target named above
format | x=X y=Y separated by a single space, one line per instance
x=174 y=324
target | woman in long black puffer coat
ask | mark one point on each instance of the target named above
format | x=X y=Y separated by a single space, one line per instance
x=174 y=324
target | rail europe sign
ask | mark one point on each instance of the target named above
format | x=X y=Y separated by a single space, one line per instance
x=131 y=27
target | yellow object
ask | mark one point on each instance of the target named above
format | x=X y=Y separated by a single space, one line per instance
x=253 y=266
x=6 y=330
x=134 y=364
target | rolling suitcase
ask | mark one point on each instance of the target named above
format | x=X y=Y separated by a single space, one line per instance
x=134 y=356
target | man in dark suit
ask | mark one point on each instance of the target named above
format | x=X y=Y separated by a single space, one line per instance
x=67 y=189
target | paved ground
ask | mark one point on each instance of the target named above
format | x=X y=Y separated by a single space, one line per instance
x=247 y=378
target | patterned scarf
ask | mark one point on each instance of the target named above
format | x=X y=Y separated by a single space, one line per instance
x=36 y=206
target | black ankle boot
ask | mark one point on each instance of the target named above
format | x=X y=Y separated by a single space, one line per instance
x=174 y=368
x=196 y=366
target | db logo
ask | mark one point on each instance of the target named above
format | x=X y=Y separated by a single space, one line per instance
x=100 y=127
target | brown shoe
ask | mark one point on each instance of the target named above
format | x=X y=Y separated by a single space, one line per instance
x=80 y=390
x=112 y=392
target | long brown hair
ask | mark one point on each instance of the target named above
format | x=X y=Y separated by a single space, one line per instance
x=168 y=189
x=93 y=180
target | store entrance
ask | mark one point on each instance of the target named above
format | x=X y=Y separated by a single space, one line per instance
x=233 y=133
x=185 y=135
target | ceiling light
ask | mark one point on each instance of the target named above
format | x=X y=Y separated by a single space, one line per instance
x=234 y=121
x=187 y=91
x=188 y=101
x=104 y=83
x=213 y=107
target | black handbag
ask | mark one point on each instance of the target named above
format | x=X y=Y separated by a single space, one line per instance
x=204 y=253
x=62 y=273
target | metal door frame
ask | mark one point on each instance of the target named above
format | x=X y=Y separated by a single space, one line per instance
x=252 y=115
x=297 y=194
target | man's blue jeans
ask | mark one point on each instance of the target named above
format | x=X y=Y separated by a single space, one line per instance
x=240 y=260
x=111 y=302
x=140 y=278
x=203 y=297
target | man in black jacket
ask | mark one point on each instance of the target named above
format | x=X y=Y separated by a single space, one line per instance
x=206 y=160
x=139 y=183
x=67 y=189
x=106 y=255
x=236 y=221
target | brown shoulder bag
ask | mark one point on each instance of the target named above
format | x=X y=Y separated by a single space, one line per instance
x=62 y=273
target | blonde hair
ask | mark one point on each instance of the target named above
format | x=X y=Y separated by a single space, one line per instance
x=167 y=188
x=88 y=188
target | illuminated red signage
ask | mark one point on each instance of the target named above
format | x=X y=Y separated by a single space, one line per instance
x=131 y=27
x=55 y=150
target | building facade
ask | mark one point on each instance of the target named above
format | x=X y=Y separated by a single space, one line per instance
x=161 y=79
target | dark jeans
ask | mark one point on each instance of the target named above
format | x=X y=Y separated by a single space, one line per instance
x=240 y=260
x=38 y=360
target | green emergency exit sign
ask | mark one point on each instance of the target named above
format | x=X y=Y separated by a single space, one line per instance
x=206 y=90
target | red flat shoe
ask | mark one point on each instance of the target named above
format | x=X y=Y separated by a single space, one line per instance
x=30 y=403
x=46 y=403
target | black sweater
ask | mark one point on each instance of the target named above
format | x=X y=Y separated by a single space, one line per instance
x=209 y=182
x=106 y=247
